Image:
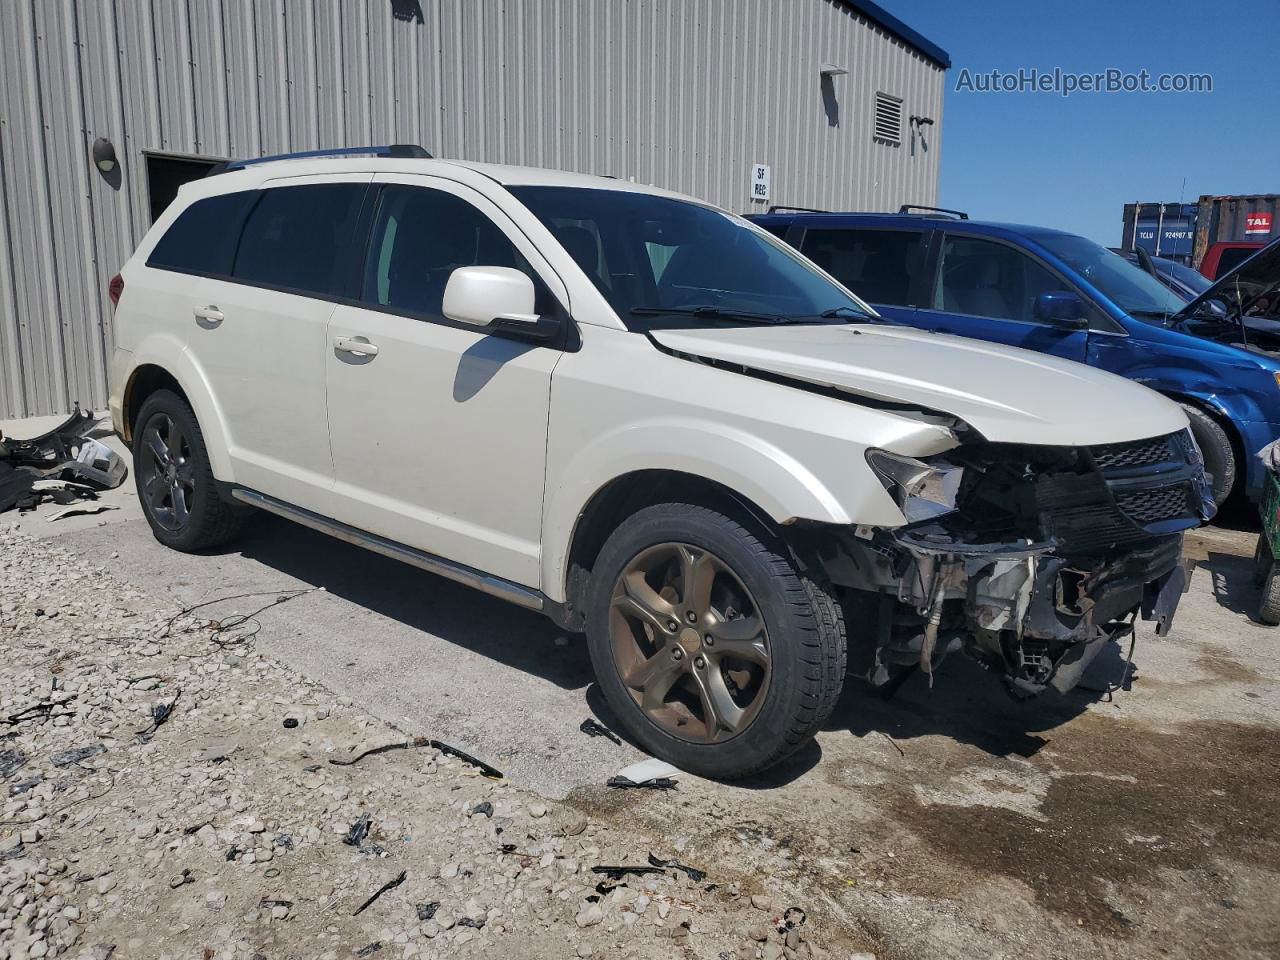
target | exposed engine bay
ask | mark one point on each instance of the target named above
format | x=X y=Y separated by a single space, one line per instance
x=1029 y=559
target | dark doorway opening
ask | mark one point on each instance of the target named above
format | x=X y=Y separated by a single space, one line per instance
x=166 y=172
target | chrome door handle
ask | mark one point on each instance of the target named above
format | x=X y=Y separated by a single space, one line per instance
x=357 y=345
x=211 y=315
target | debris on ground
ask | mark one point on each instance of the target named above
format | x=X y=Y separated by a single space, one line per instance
x=80 y=509
x=491 y=772
x=222 y=835
x=694 y=874
x=593 y=728
x=389 y=885
x=63 y=465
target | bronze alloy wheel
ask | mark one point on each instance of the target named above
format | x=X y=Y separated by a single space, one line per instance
x=168 y=472
x=689 y=643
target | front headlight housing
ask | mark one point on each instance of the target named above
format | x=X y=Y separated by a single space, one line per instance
x=921 y=490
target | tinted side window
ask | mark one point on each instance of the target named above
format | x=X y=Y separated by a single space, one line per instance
x=295 y=237
x=420 y=236
x=203 y=238
x=986 y=279
x=877 y=265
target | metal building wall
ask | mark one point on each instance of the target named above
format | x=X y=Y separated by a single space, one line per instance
x=686 y=94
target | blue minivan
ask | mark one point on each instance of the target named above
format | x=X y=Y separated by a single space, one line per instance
x=1059 y=293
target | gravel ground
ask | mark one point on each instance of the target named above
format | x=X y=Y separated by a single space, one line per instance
x=944 y=824
x=172 y=792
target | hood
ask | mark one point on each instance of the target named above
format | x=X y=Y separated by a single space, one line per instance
x=1241 y=289
x=1008 y=395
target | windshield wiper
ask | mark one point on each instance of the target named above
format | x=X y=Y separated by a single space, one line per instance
x=849 y=311
x=710 y=312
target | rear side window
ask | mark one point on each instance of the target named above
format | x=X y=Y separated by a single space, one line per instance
x=420 y=236
x=296 y=237
x=878 y=265
x=203 y=238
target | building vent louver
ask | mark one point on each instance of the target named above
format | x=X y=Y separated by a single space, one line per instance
x=888 y=119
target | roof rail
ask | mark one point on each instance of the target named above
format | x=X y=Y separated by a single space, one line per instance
x=777 y=208
x=908 y=207
x=400 y=150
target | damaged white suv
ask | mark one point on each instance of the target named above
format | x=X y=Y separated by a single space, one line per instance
x=650 y=420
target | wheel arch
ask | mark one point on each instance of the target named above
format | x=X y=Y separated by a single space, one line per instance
x=622 y=497
x=179 y=373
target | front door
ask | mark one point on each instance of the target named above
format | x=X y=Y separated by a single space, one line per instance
x=439 y=429
x=987 y=289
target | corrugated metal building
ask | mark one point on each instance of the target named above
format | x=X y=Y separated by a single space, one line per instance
x=839 y=101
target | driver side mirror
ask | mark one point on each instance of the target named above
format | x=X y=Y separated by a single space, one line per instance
x=1212 y=308
x=484 y=296
x=1061 y=307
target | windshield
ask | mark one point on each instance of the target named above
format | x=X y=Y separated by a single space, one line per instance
x=665 y=263
x=1129 y=287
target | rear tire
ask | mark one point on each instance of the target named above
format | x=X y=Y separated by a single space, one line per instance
x=175 y=483
x=760 y=603
x=1215 y=445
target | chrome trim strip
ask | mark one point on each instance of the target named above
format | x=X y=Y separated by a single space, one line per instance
x=494 y=586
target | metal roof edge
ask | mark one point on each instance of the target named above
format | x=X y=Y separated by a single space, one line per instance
x=891 y=24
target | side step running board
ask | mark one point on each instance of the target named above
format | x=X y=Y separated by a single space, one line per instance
x=495 y=586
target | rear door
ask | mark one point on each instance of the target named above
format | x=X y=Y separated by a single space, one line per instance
x=255 y=324
x=882 y=266
x=439 y=429
x=986 y=288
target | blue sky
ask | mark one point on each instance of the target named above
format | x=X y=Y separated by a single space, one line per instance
x=1073 y=163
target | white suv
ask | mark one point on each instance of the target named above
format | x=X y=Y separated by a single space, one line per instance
x=652 y=421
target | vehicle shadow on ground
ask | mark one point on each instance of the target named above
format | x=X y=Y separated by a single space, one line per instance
x=493 y=628
x=967 y=704
x=1233 y=585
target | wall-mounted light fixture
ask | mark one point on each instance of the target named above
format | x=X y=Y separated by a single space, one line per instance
x=917 y=125
x=104 y=155
x=831 y=70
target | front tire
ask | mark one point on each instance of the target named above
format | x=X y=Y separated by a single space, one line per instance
x=1215 y=445
x=175 y=483
x=1267 y=579
x=712 y=648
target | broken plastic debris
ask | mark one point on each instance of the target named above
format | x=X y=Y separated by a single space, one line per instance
x=593 y=728
x=486 y=808
x=10 y=762
x=427 y=910
x=66 y=452
x=493 y=773
x=160 y=714
x=648 y=770
x=77 y=509
x=370 y=949
x=68 y=757
x=359 y=830
x=696 y=875
x=389 y=885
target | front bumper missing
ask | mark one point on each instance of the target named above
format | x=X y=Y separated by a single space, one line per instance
x=1034 y=618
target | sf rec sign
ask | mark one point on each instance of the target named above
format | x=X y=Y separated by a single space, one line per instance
x=760 y=182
